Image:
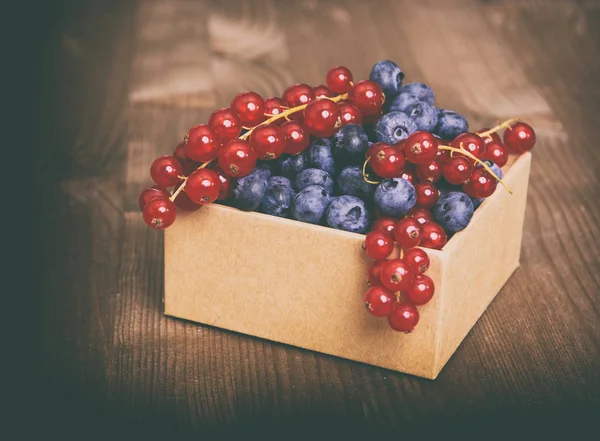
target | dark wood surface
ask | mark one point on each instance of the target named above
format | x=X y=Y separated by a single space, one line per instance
x=118 y=83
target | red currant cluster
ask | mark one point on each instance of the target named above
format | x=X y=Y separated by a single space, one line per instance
x=204 y=166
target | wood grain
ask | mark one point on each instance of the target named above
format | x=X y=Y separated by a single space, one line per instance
x=122 y=81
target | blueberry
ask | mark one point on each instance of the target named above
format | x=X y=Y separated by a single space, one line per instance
x=250 y=190
x=421 y=90
x=453 y=211
x=310 y=204
x=388 y=75
x=350 y=144
x=291 y=165
x=278 y=197
x=394 y=127
x=424 y=115
x=351 y=182
x=497 y=170
x=320 y=155
x=314 y=176
x=402 y=102
x=348 y=213
x=394 y=197
x=477 y=202
x=270 y=166
x=450 y=124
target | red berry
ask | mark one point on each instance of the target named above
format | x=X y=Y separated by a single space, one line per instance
x=350 y=113
x=274 y=106
x=374 y=273
x=470 y=142
x=388 y=162
x=421 y=291
x=420 y=147
x=183 y=202
x=427 y=194
x=457 y=170
x=422 y=215
x=297 y=137
x=249 y=107
x=165 y=171
x=268 y=141
x=497 y=153
x=417 y=260
x=488 y=139
x=434 y=236
x=385 y=224
x=202 y=143
x=396 y=275
x=378 y=245
x=379 y=302
x=339 y=79
x=322 y=118
x=374 y=148
x=202 y=186
x=159 y=213
x=186 y=162
x=237 y=158
x=323 y=91
x=298 y=94
x=481 y=184
x=409 y=173
x=371 y=119
x=431 y=171
x=442 y=156
x=404 y=317
x=408 y=232
x=519 y=138
x=226 y=124
x=227 y=184
x=367 y=96
x=153 y=192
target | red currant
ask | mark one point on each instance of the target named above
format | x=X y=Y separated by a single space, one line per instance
x=227 y=184
x=379 y=302
x=408 y=232
x=422 y=215
x=297 y=137
x=202 y=143
x=226 y=124
x=374 y=273
x=388 y=162
x=420 y=147
x=165 y=171
x=434 y=236
x=274 y=106
x=488 y=139
x=183 y=202
x=159 y=213
x=237 y=158
x=395 y=275
x=298 y=94
x=497 y=153
x=481 y=184
x=470 y=142
x=385 y=224
x=322 y=118
x=417 y=260
x=421 y=291
x=378 y=245
x=153 y=192
x=186 y=162
x=339 y=79
x=442 y=156
x=457 y=170
x=202 y=186
x=350 y=113
x=367 y=96
x=268 y=141
x=519 y=138
x=427 y=194
x=374 y=148
x=249 y=107
x=404 y=317
x=431 y=171
x=409 y=173
x=323 y=91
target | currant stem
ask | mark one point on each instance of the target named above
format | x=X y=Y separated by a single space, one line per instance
x=503 y=125
x=366 y=175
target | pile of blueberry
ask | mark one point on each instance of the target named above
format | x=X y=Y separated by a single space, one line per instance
x=374 y=156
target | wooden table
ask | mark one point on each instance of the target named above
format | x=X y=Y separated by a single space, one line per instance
x=118 y=83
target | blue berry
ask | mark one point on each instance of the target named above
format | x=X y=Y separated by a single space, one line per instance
x=477 y=202
x=314 y=176
x=424 y=115
x=394 y=197
x=291 y=165
x=388 y=75
x=310 y=204
x=250 y=190
x=497 y=170
x=402 y=102
x=348 y=213
x=394 y=127
x=271 y=166
x=453 y=211
x=350 y=144
x=278 y=197
x=421 y=90
x=450 y=124
x=351 y=182
x=320 y=155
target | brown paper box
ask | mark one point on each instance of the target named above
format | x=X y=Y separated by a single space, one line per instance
x=303 y=284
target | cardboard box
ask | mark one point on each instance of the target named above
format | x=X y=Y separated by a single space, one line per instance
x=303 y=284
